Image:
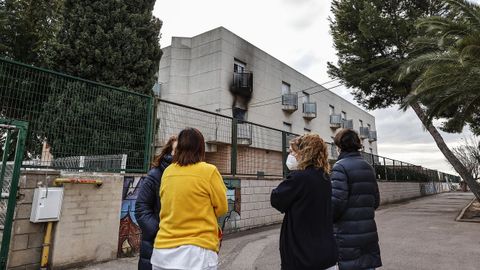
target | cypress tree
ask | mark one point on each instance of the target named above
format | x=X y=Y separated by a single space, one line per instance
x=110 y=41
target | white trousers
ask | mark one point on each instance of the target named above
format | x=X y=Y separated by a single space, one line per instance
x=158 y=268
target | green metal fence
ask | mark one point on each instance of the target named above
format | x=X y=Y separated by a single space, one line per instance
x=12 y=142
x=394 y=170
x=243 y=148
x=76 y=124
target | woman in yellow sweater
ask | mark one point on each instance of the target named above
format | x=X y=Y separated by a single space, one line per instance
x=192 y=196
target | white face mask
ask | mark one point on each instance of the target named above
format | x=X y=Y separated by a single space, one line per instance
x=291 y=163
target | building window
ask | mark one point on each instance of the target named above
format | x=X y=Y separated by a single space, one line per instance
x=239 y=66
x=285 y=88
x=332 y=109
x=369 y=127
x=287 y=127
x=307 y=130
x=361 y=123
x=344 y=115
x=371 y=150
x=306 y=97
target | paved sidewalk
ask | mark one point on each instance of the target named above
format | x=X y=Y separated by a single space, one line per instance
x=418 y=235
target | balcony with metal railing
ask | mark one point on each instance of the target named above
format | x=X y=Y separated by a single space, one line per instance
x=333 y=155
x=290 y=102
x=364 y=132
x=335 y=121
x=242 y=84
x=372 y=136
x=347 y=123
x=309 y=110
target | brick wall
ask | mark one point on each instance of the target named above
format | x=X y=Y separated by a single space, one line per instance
x=89 y=223
x=220 y=158
x=27 y=238
x=256 y=210
x=398 y=191
x=249 y=160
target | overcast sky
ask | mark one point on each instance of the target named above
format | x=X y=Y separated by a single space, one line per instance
x=297 y=33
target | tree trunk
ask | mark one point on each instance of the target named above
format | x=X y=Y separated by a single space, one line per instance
x=456 y=164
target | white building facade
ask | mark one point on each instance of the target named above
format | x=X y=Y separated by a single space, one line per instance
x=220 y=72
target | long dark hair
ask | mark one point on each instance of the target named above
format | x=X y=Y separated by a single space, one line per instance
x=190 y=148
x=166 y=150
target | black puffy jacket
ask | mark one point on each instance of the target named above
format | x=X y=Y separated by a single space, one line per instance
x=147 y=211
x=306 y=238
x=355 y=197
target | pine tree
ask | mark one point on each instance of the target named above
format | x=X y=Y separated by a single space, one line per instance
x=373 y=39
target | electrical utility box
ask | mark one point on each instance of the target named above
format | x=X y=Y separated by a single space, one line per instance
x=47 y=204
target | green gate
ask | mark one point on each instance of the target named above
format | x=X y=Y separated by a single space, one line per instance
x=12 y=144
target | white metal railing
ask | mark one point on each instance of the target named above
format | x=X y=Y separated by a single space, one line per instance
x=364 y=132
x=335 y=120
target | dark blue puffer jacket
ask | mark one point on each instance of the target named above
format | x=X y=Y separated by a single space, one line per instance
x=147 y=211
x=355 y=197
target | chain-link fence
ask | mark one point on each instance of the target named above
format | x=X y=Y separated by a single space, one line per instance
x=76 y=124
x=239 y=147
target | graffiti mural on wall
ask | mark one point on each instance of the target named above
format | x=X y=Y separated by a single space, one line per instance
x=130 y=234
x=229 y=222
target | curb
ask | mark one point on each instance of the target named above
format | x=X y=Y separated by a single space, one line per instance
x=460 y=216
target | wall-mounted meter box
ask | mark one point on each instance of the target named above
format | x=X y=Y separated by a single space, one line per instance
x=47 y=204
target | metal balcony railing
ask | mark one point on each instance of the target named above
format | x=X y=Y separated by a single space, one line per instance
x=335 y=120
x=333 y=152
x=364 y=132
x=243 y=80
x=372 y=136
x=347 y=123
x=290 y=102
x=309 y=110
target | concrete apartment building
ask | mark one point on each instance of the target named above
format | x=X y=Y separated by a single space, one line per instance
x=220 y=72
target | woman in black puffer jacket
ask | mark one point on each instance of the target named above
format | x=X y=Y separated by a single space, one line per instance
x=355 y=198
x=147 y=206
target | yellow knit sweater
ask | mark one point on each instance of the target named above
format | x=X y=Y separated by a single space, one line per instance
x=192 y=197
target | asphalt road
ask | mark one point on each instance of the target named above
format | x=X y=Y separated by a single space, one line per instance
x=417 y=235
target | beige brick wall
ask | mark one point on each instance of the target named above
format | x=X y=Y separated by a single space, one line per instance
x=256 y=210
x=221 y=158
x=89 y=223
x=27 y=238
x=398 y=191
x=249 y=160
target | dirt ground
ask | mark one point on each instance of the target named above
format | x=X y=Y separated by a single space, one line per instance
x=473 y=212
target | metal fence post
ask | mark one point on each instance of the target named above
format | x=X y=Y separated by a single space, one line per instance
x=6 y=151
x=394 y=171
x=233 y=159
x=402 y=174
x=385 y=168
x=147 y=158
